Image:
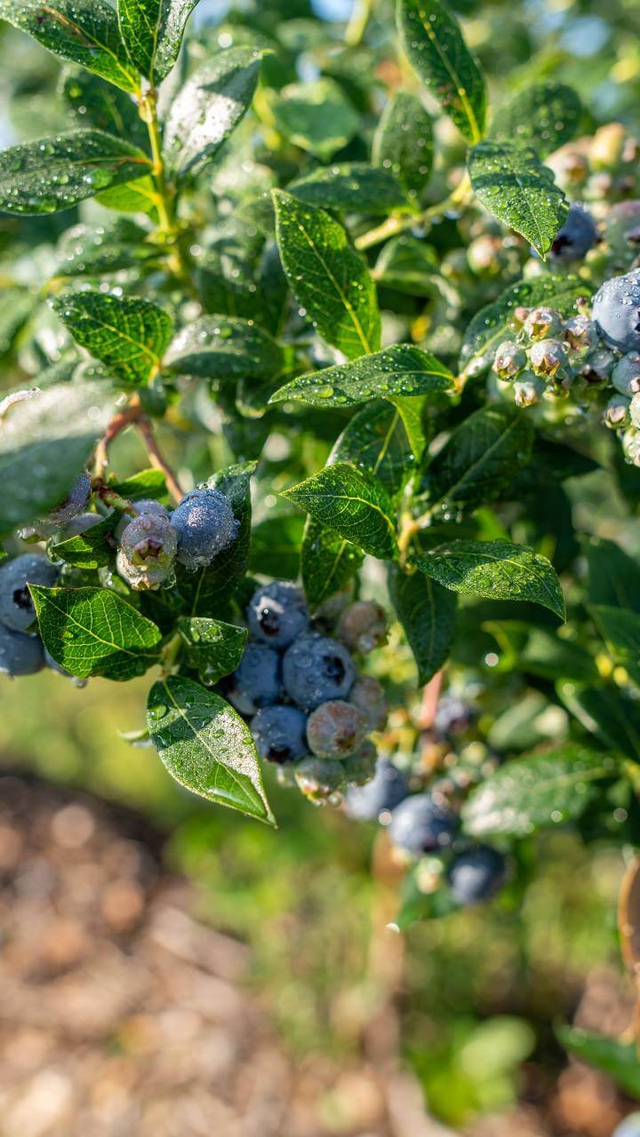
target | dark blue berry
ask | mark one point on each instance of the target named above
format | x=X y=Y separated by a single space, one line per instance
x=476 y=875
x=279 y=733
x=256 y=683
x=421 y=825
x=205 y=524
x=616 y=311
x=16 y=605
x=384 y=792
x=20 y=654
x=277 y=613
x=453 y=715
x=317 y=669
x=578 y=234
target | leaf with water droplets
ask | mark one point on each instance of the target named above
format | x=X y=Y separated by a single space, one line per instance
x=351 y=186
x=129 y=335
x=498 y=570
x=327 y=276
x=396 y=371
x=537 y=791
x=515 y=187
x=56 y=173
x=315 y=116
x=94 y=102
x=375 y=440
x=606 y=712
x=479 y=460
x=427 y=612
x=87 y=250
x=152 y=31
x=403 y=142
x=224 y=348
x=328 y=562
x=206 y=746
x=544 y=115
x=83 y=31
x=494 y=323
x=353 y=504
x=409 y=265
x=209 y=106
x=93 y=631
x=45 y=443
x=93 y=548
x=214 y=648
x=434 y=45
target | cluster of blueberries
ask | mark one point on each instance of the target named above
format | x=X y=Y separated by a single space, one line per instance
x=426 y=823
x=309 y=709
x=587 y=358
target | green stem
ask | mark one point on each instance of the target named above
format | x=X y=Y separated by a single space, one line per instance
x=394 y=224
x=170 y=654
x=358 y=22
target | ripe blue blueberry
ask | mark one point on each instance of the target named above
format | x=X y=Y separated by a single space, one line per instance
x=147 y=551
x=19 y=654
x=578 y=234
x=277 y=613
x=616 y=311
x=16 y=605
x=205 y=525
x=256 y=683
x=150 y=505
x=279 y=733
x=476 y=875
x=421 y=825
x=335 y=729
x=453 y=715
x=383 y=793
x=317 y=669
x=51 y=663
x=75 y=501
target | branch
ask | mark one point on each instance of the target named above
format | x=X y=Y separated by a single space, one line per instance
x=157 y=458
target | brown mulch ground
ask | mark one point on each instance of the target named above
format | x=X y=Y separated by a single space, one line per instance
x=123 y=1016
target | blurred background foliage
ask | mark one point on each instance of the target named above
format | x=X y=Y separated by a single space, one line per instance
x=478 y=990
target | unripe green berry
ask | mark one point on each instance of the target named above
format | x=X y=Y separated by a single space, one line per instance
x=631 y=446
x=580 y=333
x=634 y=411
x=359 y=768
x=147 y=551
x=625 y=376
x=616 y=413
x=335 y=729
x=510 y=360
x=547 y=357
x=543 y=323
x=528 y=390
x=363 y=626
x=320 y=778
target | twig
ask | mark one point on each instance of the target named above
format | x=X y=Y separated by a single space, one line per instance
x=123 y=419
x=157 y=458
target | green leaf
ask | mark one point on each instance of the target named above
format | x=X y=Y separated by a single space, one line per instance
x=328 y=562
x=275 y=546
x=152 y=31
x=93 y=102
x=44 y=444
x=56 y=173
x=209 y=106
x=351 y=503
x=209 y=591
x=351 y=186
x=93 y=631
x=86 y=250
x=206 y=746
x=327 y=276
x=493 y=324
x=614 y=576
x=132 y=197
x=91 y=549
x=618 y=1060
x=398 y=370
x=540 y=651
x=418 y=905
x=411 y=413
x=403 y=142
x=427 y=612
x=224 y=348
x=606 y=712
x=315 y=116
x=16 y=306
x=129 y=335
x=83 y=31
x=536 y=791
x=496 y=569
x=409 y=265
x=433 y=43
x=145 y=484
x=620 y=629
x=544 y=116
x=479 y=460
x=375 y=440
x=213 y=647
x=515 y=187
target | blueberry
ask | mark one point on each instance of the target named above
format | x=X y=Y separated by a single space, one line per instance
x=319 y=778
x=617 y=413
x=622 y=228
x=476 y=875
x=279 y=733
x=150 y=505
x=543 y=323
x=547 y=357
x=363 y=626
x=369 y=697
x=630 y=1127
x=50 y=662
x=335 y=729
x=616 y=311
x=420 y=825
x=277 y=613
x=256 y=682
x=16 y=605
x=453 y=715
x=510 y=360
x=360 y=766
x=625 y=376
x=205 y=525
x=147 y=551
x=578 y=234
x=20 y=654
x=75 y=501
x=580 y=333
x=383 y=793
x=317 y=669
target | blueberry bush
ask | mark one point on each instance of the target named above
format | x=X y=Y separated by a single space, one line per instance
x=319 y=345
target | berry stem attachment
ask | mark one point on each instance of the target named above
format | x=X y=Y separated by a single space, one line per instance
x=157 y=458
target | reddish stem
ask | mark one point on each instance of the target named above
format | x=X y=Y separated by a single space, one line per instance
x=157 y=458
